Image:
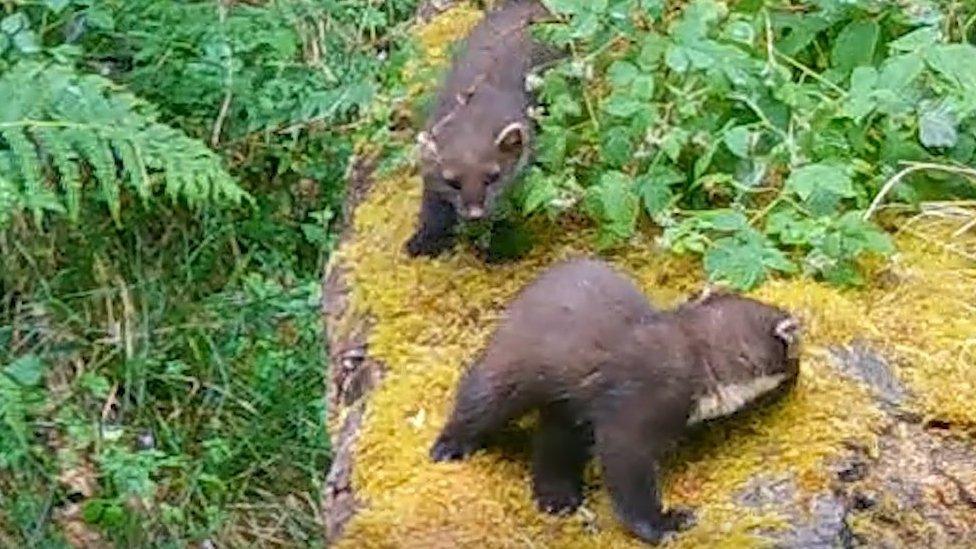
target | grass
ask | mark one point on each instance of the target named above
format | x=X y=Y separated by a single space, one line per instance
x=162 y=380
x=175 y=406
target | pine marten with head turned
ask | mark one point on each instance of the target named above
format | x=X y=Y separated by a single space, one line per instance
x=478 y=135
x=606 y=370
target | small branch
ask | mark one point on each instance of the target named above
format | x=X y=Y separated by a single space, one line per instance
x=912 y=168
x=228 y=93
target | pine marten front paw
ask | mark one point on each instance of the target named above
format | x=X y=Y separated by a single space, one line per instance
x=448 y=449
x=422 y=244
x=679 y=519
x=561 y=501
x=672 y=522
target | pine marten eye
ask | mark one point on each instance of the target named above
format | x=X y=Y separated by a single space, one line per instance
x=491 y=179
x=453 y=183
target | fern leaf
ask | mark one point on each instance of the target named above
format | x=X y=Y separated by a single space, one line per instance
x=9 y=200
x=84 y=129
x=26 y=156
x=66 y=160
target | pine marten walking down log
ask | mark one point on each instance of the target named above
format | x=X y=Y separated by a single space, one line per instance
x=607 y=371
x=478 y=136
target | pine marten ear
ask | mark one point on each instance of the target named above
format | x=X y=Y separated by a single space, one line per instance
x=788 y=330
x=708 y=293
x=512 y=138
x=428 y=147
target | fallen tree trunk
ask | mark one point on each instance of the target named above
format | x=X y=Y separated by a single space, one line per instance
x=876 y=448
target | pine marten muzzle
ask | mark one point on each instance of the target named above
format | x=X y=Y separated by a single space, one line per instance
x=479 y=134
x=609 y=372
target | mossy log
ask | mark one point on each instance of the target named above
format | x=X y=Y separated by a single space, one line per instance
x=875 y=447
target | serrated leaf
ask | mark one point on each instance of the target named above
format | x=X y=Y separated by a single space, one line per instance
x=739 y=141
x=622 y=74
x=553 y=145
x=614 y=206
x=622 y=105
x=653 y=47
x=726 y=220
x=955 y=62
x=937 y=127
x=855 y=45
x=615 y=146
x=860 y=99
x=821 y=187
x=643 y=87
x=898 y=73
x=27 y=42
x=541 y=192
x=823 y=176
x=14 y=23
x=744 y=260
x=57 y=5
x=916 y=40
x=27 y=370
x=654 y=189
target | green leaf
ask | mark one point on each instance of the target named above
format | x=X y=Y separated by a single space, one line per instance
x=937 y=127
x=654 y=188
x=622 y=74
x=621 y=105
x=27 y=370
x=541 y=191
x=956 y=63
x=643 y=87
x=860 y=101
x=615 y=146
x=653 y=47
x=744 y=260
x=916 y=40
x=739 y=141
x=821 y=186
x=613 y=205
x=14 y=23
x=57 y=5
x=900 y=72
x=855 y=45
x=26 y=41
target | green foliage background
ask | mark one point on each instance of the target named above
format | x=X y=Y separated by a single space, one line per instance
x=169 y=176
x=756 y=133
x=170 y=173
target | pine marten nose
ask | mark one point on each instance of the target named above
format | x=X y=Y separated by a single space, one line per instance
x=473 y=211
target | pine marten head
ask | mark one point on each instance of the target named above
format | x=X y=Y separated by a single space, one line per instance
x=470 y=166
x=750 y=352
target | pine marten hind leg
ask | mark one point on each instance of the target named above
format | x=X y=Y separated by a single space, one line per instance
x=629 y=442
x=480 y=408
x=561 y=448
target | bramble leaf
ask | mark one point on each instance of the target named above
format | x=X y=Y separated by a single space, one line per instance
x=855 y=45
x=613 y=204
x=937 y=127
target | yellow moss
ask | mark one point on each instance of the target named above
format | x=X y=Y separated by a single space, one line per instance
x=433 y=316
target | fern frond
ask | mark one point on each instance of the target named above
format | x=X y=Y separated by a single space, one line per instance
x=66 y=161
x=27 y=158
x=80 y=129
x=9 y=200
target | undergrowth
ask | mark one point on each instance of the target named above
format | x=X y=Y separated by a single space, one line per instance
x=169 y=176
x=757 y=134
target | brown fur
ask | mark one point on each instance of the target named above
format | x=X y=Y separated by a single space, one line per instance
x=479 y=133
x=605 y=369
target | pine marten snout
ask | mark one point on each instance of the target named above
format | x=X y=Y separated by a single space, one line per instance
x=478 y=136
x=609 y=372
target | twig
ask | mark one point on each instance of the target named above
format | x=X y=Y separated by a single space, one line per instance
x=228 y=94
x=912 y=168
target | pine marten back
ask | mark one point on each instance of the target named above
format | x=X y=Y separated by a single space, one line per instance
x=479 y=133
x=607 y=370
